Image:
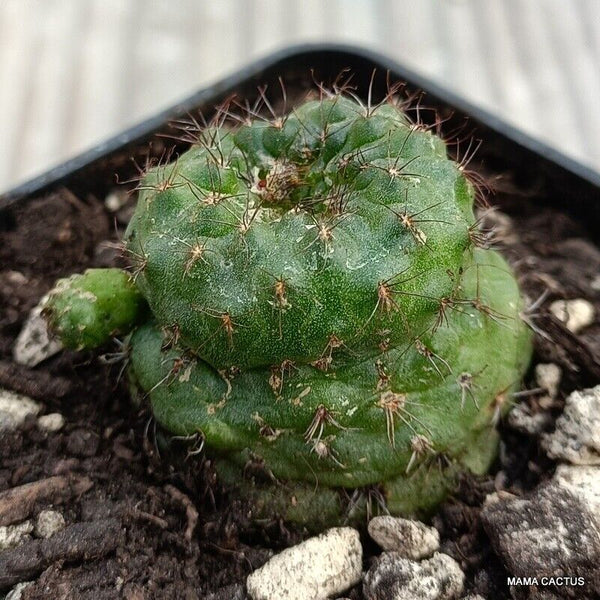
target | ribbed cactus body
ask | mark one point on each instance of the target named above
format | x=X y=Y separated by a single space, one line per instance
x=320 y=237
x=319 y=306
x=359 y=424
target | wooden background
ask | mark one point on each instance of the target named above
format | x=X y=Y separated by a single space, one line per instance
x=73 y=72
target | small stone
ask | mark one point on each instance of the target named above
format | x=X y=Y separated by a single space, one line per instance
x=393 y=577
x=576 y=438
x=317 y=568
x=51 y=422
x=498 y=496
x=473 y=597
x=582 y=480
x=13 y=535
x=17 y=592
x=546 y=403
x=552 y=532
x=595 y=283
x=16 y=278
x=35 y=344
x=548 y=376
x=14 y=409
x=408 y=538
x=521 y=419
x=113 y=202
x=49 y=522
x=575 y=314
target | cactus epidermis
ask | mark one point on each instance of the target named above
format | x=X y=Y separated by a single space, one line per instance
x=318 y=301
x=321 y=238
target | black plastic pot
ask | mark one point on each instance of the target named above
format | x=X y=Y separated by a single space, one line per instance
x=539 y=170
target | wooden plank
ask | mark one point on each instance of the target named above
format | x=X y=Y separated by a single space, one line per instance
x=73 y=72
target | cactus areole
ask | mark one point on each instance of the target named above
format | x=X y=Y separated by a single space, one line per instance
x=307 y=294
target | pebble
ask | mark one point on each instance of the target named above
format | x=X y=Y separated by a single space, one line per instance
x=582 y=480
x=548 y=376
x=17 y=592
x=34 y=343
x=13 y=535
x=575 y=314
x=48 y=522
x=473 y=597
x=576 y=438
x=316 y=569
x=408 y=538
x=51 y=422
x=114 y=201
x=551 y=532
x=521 y=419
x=15 y=408
x=393 y=577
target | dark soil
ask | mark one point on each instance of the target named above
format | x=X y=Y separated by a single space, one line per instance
x=135 y=528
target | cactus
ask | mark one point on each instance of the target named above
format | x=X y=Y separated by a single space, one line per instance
x=320 y=309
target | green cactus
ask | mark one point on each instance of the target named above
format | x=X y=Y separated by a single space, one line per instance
x=319 y=309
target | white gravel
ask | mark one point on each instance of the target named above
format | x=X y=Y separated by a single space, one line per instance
x=15 y=408
x=316 y=569
x=575 y=314
x=583 y=480
x=408 y=538
x=34 y=343
x=17 y=592
x=393 y=577
x=48 y=522
x=13 y=535
x=577 y=435
x=51 y=422
x=550 y=532
x=521 y=419
x=548 y=376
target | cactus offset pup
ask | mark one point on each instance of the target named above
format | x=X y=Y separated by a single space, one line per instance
x=307 y=296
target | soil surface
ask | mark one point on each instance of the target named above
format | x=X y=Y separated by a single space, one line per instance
x=139 y=529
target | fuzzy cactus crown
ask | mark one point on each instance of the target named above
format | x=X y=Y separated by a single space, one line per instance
x=318 y=301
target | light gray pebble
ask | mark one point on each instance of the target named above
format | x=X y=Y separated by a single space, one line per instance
x=14 y=409
x=34 y=343
x=582 y=480
x=521 y=419
x=551 y=532
x=576 y=314
x=115 y=201
x=48 y=522
x=316 y=569
x=408 y=538
x=576 y=438
x=393 y=577
x=548 y=376
x=14 y=535
x=17 y=592
x=51 y=422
